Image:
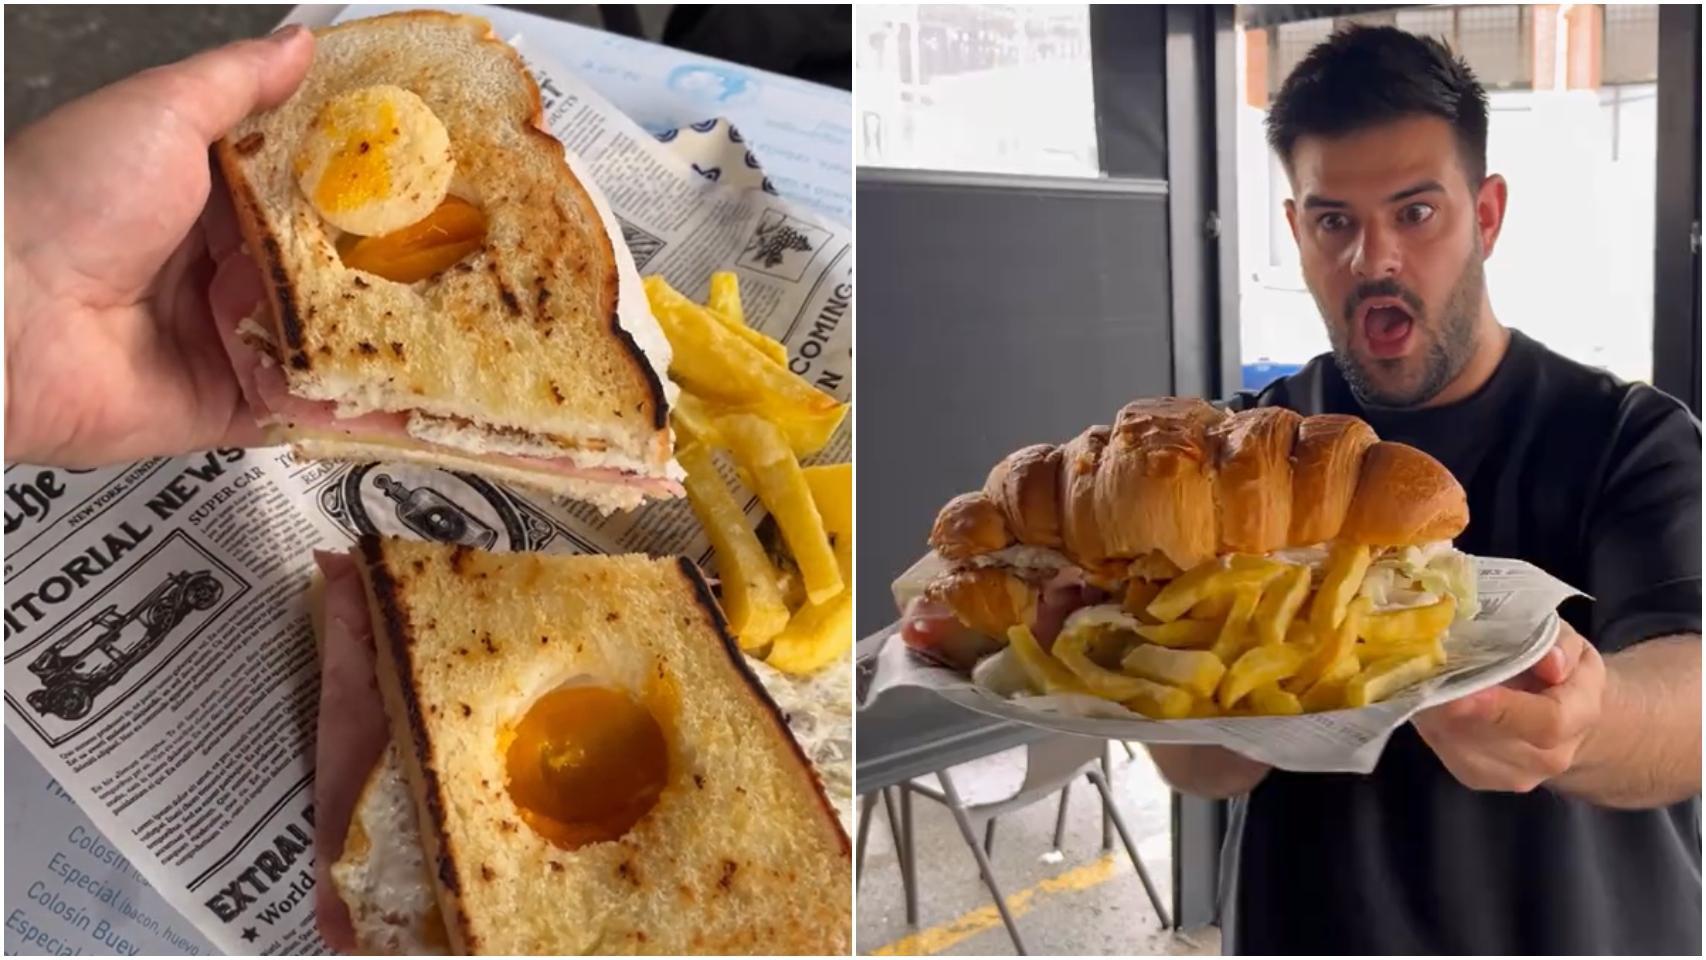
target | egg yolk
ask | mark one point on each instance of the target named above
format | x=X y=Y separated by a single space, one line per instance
x=585 y=764
x=454 y=230
x=359 y=169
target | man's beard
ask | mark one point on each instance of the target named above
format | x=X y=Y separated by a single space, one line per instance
x=1446 y=356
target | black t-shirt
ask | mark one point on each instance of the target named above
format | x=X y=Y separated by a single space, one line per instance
x=1597 y=482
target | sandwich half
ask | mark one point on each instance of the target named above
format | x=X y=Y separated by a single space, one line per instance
x=445 y=284
x=1101 y=529
x=578 y=761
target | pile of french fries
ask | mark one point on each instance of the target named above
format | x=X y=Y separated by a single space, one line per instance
x=1243 y=636
x=738 y=396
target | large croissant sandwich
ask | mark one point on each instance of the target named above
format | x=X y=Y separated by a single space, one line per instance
x=1187 y=559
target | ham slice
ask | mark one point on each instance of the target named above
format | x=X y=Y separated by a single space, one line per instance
x=1060 y=598
x=930 y=627
x=350 y=738
x=235 y=292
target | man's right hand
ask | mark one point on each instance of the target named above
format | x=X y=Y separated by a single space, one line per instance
x=1213 y=773
x=111 y=241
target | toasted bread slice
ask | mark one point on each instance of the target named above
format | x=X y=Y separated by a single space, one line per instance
x=740 y=853
x=542 y=332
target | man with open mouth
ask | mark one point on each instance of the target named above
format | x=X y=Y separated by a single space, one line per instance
x=1560 y=812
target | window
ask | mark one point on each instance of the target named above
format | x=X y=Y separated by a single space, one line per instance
x=1631 y=43
x=959 y=87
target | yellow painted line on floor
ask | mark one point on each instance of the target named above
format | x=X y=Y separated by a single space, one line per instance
x=936 y=939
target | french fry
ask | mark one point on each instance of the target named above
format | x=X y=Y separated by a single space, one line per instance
x=1262 y=664
x=1280 y=604
x=1183 y=592
x=1047 y=675
x=1333 y=645
x=1269 y=700
x=815 y=637
x=818 y=634
x=1138 y=594
x=1107 y=644
x=724 y=303
x=759 y=447
x=1415 y=623
x=724 y=297
x=1227 y=575
x=793 y=589
x=1203 y=708
x=1346 y=565
x=718 y=364
x=1343 y=668
x=1385 y=677
x=751 y=595
x=1246 y=578
x=1158 y=701
x=1213 y=608
x=1234 y=634
x=1180 y=633
x=1324 y=696
x=716 y=311
x=1433 y=649
x=1328 y=693
x=1196 y=671
x=695 y=420
x=1071 y=648
x=1300 y=634
x=832 y=490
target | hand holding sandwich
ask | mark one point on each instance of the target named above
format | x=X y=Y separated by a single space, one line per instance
x=111 y=241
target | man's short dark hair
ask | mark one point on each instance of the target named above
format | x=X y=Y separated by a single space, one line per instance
x=1364 y=76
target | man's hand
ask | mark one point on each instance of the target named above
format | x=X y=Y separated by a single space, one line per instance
x=1516 y=736
x=111 y=243
x=1203 y=771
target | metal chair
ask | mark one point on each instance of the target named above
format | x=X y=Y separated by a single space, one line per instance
x=900 y=829
x=1051 y=766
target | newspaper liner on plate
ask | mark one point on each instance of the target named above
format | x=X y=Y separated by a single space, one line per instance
x=1516 y=625
x=180 y=583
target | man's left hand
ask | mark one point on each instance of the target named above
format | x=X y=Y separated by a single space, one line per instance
x=1518 y=735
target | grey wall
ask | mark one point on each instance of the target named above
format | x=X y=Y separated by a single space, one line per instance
x=991 y=318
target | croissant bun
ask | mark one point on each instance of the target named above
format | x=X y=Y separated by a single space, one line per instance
x=987 y=600
x=1178 y=479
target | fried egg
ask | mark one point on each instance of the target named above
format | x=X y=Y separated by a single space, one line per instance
x=375 y=160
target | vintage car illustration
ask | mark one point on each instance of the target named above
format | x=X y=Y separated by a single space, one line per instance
x=98 y=653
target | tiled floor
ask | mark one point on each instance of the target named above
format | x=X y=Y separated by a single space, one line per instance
x=1081 y=902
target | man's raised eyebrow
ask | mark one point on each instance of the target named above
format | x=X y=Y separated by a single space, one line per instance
x=1313 y=202
x=1426 y=186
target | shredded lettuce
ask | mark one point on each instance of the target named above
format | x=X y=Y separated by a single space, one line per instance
x=1102 y=616
x=1108 y=632
x=1314 y=557
x=1416 y=576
